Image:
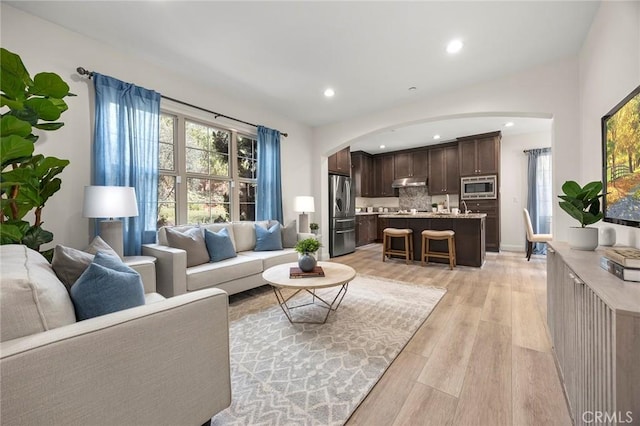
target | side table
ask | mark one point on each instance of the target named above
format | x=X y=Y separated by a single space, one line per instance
x=146 y=267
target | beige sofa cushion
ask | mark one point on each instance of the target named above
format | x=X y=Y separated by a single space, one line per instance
x=162 y=232
x=272 y=258
x=191 y=241
x=69 y=263
x=33 y=299
x=245 y=234
x=212 y=274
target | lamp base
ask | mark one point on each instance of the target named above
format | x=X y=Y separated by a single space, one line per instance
x=303 y=223
x=111 y=233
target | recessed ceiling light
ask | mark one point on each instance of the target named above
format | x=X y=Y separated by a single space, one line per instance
x=436 y=137
x=412 y=88
x=509 y=124
x=382 y=146
x=454 y=46
x=329 y=92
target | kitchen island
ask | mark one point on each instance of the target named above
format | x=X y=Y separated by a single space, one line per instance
x=469 y=229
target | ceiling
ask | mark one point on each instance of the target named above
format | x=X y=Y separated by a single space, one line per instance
x=283 y=55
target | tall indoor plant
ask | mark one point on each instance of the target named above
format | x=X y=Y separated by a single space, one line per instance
x=27 y=180
x=583 y=204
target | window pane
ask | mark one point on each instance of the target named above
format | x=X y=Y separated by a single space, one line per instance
x=166 y=128
x=197 y=135
x=166 y=156
x=221 y=141
x=219 y=165
x=166 y=201
x=245 y=147
x=247 y=200
x=209 y=201
x=197 y=161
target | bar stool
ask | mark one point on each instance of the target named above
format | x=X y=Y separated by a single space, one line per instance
x=390 y=233
x=438 y=235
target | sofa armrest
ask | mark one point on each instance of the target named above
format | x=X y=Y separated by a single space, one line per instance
x=166 y=363
x=171 y=269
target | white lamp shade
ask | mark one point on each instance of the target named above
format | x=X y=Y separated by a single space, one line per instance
x=109 y=201
x=303 y=204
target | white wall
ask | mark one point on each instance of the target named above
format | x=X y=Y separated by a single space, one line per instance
x=48 y=47
x=513 y=186
x=549 y=91
x=609 y=71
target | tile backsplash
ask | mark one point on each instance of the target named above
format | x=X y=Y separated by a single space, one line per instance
x=415 y=198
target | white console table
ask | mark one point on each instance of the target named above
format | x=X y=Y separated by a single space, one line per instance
x=594 y=321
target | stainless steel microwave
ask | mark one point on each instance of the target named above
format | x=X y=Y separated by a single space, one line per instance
x=479 y=187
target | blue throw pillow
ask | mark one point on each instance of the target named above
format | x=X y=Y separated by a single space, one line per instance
x=106 y=286
x=219 y=245
x=268 y=239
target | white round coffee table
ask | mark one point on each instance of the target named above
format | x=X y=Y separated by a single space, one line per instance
x=335 y=274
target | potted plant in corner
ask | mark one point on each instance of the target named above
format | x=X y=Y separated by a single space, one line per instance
x=306 y=248
x=27 y=180
x=314 y=228
x=583 y=204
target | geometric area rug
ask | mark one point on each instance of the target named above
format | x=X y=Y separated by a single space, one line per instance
x=317 y=374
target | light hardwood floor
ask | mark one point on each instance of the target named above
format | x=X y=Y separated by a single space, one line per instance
x=483 y=357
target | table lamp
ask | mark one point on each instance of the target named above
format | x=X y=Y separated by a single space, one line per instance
x=110 y=202
x=303 y=205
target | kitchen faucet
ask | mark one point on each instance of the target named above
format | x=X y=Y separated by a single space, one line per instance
x=466 y=210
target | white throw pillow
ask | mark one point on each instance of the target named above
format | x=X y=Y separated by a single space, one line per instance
x=33 y=299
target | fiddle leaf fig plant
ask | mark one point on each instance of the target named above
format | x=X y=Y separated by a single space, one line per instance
x=582 y=203
x=27 y=180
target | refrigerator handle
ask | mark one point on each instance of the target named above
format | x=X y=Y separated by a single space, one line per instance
x=348 y=194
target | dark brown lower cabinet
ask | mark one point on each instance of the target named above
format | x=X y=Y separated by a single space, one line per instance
x=469 y=238
x=366 y=229
x=492 y=209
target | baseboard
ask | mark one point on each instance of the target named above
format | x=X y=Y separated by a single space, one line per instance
x=508 y=247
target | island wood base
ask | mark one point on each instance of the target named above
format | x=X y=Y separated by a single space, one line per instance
x=470 y=237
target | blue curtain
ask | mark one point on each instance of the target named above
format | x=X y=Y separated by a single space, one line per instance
x=126 y=151
x=269 y=194
x=539 y=196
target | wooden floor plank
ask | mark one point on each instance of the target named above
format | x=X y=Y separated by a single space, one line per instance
x=447 y=365
x=386 y=399
x=527 y=323
x=497 y=307
x=426 y=406
x=538 y=398
x=506 y=291
x=486 y=395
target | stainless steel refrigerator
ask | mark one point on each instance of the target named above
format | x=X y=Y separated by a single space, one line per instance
x=342 y=216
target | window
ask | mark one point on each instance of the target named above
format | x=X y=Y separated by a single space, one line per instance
x=207 y=172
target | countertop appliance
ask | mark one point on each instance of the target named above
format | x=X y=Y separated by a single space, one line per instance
x=342 y=216
x=479 y=187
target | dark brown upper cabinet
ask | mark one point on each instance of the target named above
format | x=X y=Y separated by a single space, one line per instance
x=384 y=174
x=411 y=164
x=340 y=163
x=362 y=174
x=444 y=177
x=479 y=154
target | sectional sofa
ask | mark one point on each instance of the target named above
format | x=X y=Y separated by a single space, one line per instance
x=163 y=363
x=233 y=275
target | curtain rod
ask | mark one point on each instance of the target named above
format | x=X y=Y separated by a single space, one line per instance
x=526 y=151
x=216 y=115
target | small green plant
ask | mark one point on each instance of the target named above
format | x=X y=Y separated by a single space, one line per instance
x=582 y=203
x=313 y=226
x=434 y=205
x=308 y=245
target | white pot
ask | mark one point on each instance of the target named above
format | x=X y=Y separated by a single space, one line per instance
x=583 y=238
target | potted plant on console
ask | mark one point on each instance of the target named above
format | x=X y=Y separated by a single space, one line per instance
x=306 y=248
x=583 y=204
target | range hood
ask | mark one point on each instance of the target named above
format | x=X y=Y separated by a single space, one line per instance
x=410 y=181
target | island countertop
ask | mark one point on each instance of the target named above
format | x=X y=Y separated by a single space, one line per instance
x=429 y=215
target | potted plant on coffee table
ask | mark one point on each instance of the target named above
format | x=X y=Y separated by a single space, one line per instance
x=306 y=248
x=583 y=204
